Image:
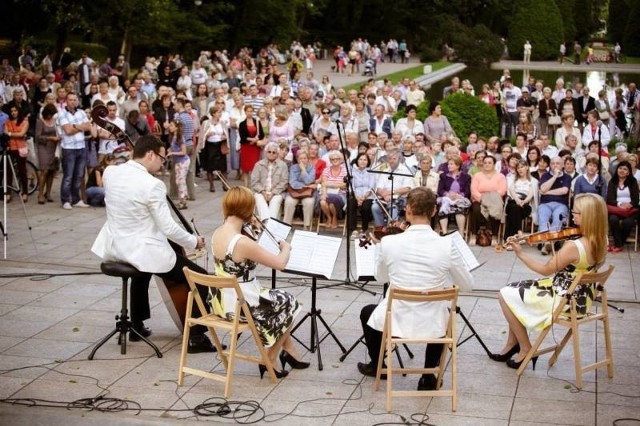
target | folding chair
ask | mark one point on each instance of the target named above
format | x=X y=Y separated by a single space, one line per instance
x=388 y=341
x=572 y=320
x=241 y=322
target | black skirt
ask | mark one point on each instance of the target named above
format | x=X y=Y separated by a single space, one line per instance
x=214 y=159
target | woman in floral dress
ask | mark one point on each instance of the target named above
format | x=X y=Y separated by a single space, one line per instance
x=528 y=305
x=237 y=255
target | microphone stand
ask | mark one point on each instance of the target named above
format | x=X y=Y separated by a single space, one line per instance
x=348 y=180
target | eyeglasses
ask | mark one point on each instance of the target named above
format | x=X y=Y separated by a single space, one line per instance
x=325 y=112
x=272 y=152
x=335 y=159
x=162 y=157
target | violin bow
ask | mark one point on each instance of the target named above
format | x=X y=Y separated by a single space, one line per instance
x=227 y=185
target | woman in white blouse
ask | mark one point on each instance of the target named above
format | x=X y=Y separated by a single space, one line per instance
x=409 y=125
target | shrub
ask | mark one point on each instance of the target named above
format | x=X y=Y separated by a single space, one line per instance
x=467 y=113
x=541 y=24
x=568 y=23
x=430 y=54
x=617 y=21
x=477 y=45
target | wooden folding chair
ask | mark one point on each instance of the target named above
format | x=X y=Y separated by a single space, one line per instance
x=389 y=341
x=572 y=320
x=241 y=322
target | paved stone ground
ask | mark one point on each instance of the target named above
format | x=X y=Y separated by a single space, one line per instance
x=48 y=327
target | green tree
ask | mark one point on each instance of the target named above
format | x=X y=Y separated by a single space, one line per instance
x=541 y=24
x=566 y=12
x=617 y=21
x=467 y=113
x=632 y=35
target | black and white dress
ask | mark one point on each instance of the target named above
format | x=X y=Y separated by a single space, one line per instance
x=272 y=310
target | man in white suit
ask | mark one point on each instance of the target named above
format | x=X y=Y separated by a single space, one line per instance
x=418 y=259
x=138 y=227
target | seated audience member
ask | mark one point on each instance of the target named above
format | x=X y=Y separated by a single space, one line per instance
x=269 y=180
x=333 y=195
x=522 y=191
x=363 y=184
x=488 y=188
x=454 y=193
x=590 y=182
x=622 y=203
x=301 y=176
x=95 y=188
x=392 y=202
x=553 y=210
x=426 y=176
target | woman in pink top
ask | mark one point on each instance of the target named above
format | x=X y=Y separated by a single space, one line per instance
x=485 y=181
x=281 y=128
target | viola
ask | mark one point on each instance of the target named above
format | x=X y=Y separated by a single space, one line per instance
x=394 y=227
x=546 y=236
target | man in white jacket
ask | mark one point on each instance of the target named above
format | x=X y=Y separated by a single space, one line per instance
x=417 y=259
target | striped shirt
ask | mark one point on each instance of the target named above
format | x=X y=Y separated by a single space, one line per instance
x=75 y=141
x=187 y=127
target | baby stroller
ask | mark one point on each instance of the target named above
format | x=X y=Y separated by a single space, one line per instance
x=369 y=67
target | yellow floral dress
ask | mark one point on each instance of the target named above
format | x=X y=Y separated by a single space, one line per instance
x=533 y=301
x=272 y=310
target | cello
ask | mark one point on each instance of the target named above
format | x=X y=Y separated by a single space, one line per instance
x=174 y=293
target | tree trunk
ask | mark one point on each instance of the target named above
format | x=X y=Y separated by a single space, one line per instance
x=127 y=43
x=61 y=39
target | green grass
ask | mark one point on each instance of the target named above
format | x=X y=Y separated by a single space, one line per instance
x=397 y=76
x=633 y=60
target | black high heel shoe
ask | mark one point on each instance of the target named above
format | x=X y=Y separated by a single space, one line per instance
x=505 y=357
x=515 y=365
x=286 y=357
x=279 y=374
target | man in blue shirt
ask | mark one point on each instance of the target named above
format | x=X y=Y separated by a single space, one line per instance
x=553 y=210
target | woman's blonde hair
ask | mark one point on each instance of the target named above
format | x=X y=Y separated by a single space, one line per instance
x=239 y=202
x=594 y=224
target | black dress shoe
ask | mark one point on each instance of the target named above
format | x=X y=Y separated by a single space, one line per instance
x=199 y=344
x=427 y=382
x=370 y=370
x=141 y=329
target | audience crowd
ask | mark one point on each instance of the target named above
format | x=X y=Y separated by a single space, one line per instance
x=293 y=138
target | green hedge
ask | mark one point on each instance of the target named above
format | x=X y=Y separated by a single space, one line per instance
x=468 y=113
x=540 y=23
x=464 y=112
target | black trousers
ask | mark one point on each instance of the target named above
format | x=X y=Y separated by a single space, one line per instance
x=515 y=216
x=373 y=340
x=365 y=213
x=139 y=291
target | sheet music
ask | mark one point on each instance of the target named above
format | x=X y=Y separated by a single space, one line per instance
x=468 y=257
x=313 y=254
x=365 y=262
x=279 y=229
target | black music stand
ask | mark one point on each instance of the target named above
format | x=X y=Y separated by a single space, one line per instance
x=314 y=314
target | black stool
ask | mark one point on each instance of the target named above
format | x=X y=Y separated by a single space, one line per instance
x=123 y=325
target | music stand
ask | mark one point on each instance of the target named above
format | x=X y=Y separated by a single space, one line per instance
x=314 y=314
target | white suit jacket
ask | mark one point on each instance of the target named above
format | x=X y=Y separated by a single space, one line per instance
x=418 y=259
x=138 y=220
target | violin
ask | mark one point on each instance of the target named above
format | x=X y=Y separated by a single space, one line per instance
x=394 y=227
x=545 y=236
x=256 y=227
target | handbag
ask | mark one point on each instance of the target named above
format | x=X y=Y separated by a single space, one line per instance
x=555 y=120
x=224 y=148
x=483 y=238
x=297 y=194
x=604 y=115
x=619 y=211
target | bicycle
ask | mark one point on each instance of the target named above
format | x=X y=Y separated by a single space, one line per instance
x=32 y=175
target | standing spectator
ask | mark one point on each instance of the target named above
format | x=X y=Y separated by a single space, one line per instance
x=527 y=52
x=563 y=52
x=577 y=49
x=72 y=123
x=252 y=139
x=511 y=95
x=47 y=139
x=180 y=160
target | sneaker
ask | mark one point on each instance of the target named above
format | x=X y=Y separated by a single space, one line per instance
x=546 y=249
x=355 y=235
x=81 y=204
x=67 y=206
